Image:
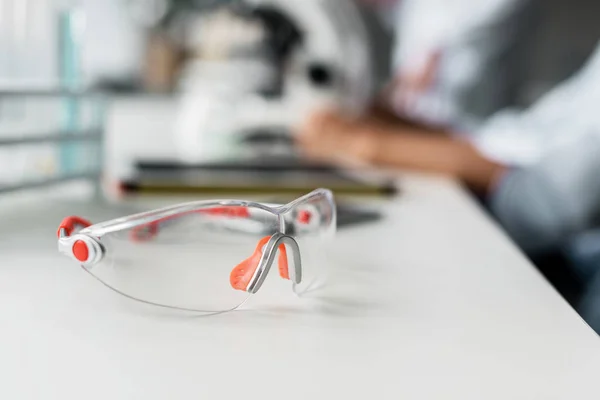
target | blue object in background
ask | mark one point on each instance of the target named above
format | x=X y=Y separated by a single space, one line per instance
x=71 y=26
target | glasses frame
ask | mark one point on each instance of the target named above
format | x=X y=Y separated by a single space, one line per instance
x=80 y=240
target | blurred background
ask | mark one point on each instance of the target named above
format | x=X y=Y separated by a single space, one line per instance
x=261 y=98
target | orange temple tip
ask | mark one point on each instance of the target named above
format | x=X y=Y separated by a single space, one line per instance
x=70 y=223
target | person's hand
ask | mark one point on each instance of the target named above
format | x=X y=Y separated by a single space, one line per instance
x=331 y=137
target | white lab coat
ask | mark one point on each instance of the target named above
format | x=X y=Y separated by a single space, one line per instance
x=567 y=114
x=467 y=45
x=553 y=193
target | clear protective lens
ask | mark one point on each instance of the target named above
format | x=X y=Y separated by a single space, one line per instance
x=312 y=223
x=185 y=260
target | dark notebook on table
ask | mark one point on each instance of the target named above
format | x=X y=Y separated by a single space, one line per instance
x=284 y=176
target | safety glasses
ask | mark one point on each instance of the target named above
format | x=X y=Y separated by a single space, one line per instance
x=206 y=256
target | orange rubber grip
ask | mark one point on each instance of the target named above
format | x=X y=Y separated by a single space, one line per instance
x=69 y=224
x=242 y=274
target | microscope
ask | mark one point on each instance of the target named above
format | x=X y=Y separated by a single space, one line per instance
x=261 y=66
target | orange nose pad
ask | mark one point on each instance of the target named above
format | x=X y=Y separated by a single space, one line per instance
x=241 y=275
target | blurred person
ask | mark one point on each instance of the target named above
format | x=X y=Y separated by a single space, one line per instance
x=456 y=62
x=536 y=168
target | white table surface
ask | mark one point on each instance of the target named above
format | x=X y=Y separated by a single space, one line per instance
x=432 y=303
